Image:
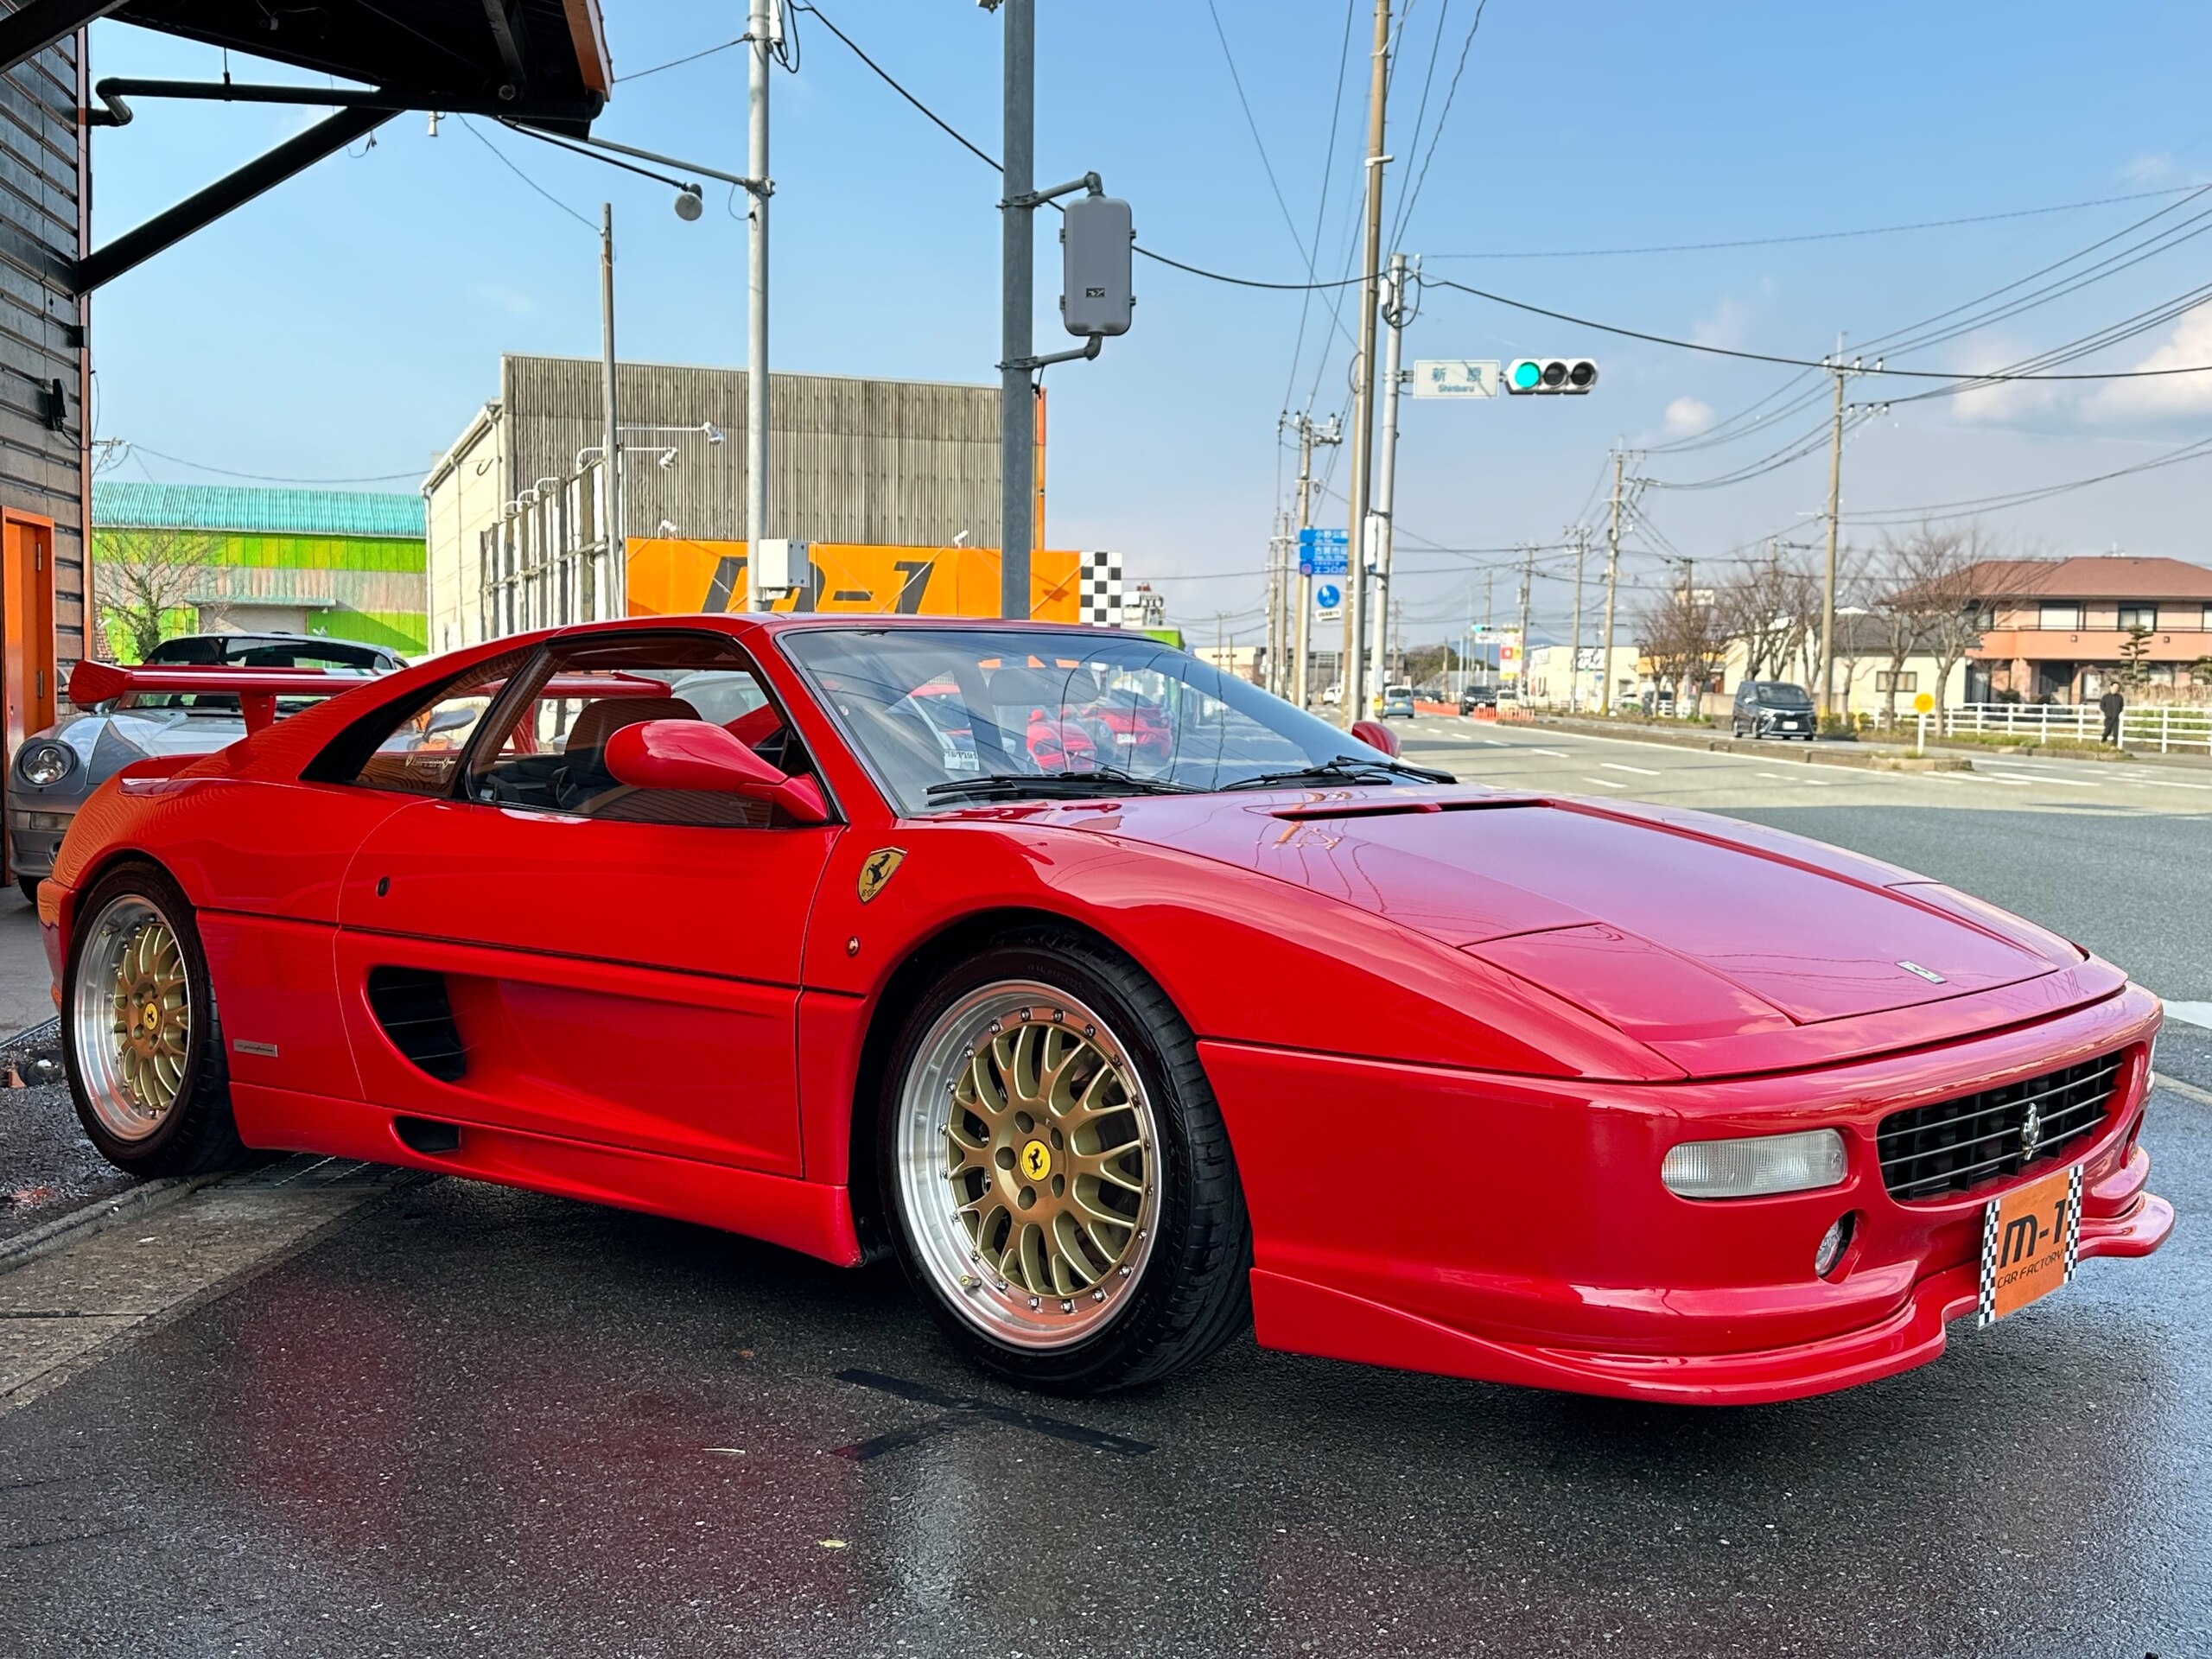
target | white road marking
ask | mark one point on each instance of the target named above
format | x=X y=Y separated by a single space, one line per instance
x=1616 y=766
x=2192 y=1014
x=2070 y=783
x=1610 y=783
x=1556 y=754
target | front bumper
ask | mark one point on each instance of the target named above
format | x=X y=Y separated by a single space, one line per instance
x=34 y=840
x=1515 y=1229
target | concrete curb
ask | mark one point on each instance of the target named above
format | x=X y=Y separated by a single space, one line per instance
x=1814 y=754
x=98 y=1216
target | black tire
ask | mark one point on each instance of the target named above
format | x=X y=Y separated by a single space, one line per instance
x=196 y=1134
x=1192 y=1291
x=28 y=885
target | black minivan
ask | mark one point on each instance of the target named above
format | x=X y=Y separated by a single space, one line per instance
x=1772 y=708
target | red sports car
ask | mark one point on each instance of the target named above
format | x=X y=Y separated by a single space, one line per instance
x=817 y=929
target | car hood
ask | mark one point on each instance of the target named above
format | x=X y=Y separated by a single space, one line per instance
x=1685 y=931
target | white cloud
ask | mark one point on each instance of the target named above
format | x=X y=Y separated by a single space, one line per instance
x=2190 y=345
x=1725 y=328
x=2007 y=402
x=2147 y=169
x=1688 y=415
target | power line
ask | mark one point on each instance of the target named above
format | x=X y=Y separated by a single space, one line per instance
x=1820 y=236
x=269 y=477
x=677 y=63
x=507 y=162
x=1405 y=209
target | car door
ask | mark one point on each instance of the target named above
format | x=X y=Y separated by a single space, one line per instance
x=539 y=949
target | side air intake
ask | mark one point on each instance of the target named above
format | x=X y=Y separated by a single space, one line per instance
x=411 y=1004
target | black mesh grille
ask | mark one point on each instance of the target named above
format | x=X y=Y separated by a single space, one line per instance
x=1956 y=1146
x=411 y=1004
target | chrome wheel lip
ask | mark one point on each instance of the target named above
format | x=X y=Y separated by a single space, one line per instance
x=100 y=1005
x=962 y=1280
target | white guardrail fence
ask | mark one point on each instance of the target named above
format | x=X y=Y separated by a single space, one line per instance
x=2166 y=730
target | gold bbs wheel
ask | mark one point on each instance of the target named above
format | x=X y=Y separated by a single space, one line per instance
x=1027 y=1165
x=133 y=1017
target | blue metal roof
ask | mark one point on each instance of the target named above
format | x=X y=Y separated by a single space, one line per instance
x=269 y=512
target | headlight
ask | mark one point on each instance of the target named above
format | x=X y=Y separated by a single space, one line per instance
x=1754 y=1165
x=43 y=762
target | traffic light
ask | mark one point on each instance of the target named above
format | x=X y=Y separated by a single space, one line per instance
x=1539 y=374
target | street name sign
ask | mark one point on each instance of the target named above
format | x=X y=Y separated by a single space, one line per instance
x=1455 y=377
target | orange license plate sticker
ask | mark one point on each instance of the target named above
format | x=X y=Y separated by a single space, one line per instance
x=2029 y=1239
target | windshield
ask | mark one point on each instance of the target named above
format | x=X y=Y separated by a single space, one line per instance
x=939 y=713
x=1784 y=697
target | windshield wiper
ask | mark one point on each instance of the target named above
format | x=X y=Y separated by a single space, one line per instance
x=1344 y=769
x=1014 y=785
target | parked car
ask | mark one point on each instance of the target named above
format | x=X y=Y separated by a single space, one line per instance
x=1397 y=702
x=1332 y=695
x=1649 y=1103
x=1772 y=708
x=1478 y=696
x=56 y=771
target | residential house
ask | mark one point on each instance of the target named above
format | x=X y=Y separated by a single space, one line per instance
x=2056 y=627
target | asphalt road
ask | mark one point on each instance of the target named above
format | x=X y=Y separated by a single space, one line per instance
x=462 y=1421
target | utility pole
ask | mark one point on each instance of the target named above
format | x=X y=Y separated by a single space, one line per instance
x=1274 y=604
x=1490 y=620
x=1363 y=433
x=1521 y=669
x=1308 y=436
x=756 y=304
x=615 y=599
x=1697 y=666
x=1396 y=316
x=1613 y=584
x=1574 y=634
x=1836 y=503
x=1017 y=283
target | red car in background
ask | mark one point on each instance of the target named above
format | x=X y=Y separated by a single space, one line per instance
x=825 y=929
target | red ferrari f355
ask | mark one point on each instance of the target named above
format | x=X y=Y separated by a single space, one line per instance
x=863 y=935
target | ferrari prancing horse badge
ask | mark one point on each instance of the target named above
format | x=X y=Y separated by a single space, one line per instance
x=882 y=866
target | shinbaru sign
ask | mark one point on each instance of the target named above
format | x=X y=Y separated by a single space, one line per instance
x=671 y=577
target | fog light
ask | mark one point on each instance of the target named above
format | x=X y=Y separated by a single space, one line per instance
x=1833 y=1242
x=1755 y=1165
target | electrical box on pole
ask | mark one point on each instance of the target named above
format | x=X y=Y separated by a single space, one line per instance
x=1097 y=241
x=1568 y=375
x=780 y=565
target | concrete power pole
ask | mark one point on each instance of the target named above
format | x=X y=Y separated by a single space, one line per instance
x=1575 y=634
x=1308 y=436
x=756 y=304
x=1490 y=620
x=1362 y=425
x=1017 y=283
x=1827 y=585
x=1613 y=585
x=1521 y=671
x=1386 y=467
x=616 y=601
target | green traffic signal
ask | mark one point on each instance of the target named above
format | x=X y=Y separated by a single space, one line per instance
x=1527 y=375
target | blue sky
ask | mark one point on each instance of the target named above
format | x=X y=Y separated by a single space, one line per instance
x=347 y=324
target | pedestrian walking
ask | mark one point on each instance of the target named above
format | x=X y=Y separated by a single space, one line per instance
x=2113 y=705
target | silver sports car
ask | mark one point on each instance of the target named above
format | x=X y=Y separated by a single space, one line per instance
x=54 y=770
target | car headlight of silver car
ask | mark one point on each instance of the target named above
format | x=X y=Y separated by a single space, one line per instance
x=44 y=762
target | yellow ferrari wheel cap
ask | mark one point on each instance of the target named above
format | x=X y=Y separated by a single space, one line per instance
x=1036 y=1160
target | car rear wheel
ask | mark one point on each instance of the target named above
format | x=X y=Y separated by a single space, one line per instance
x=1060 y=1181
x=140 y=1041
x=28 y=885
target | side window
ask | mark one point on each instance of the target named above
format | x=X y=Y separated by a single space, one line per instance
x=552 y=755
x=420 y=753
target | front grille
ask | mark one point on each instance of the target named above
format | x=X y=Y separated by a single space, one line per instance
x=1956 y=1146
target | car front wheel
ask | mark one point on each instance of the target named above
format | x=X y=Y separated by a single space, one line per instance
x=140 y=1042
x=1060 y=1181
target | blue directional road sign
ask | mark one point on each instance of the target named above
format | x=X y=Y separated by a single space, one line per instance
x=1324 y=552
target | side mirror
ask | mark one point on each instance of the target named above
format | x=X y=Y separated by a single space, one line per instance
x=1376 y=735
x=698 y=754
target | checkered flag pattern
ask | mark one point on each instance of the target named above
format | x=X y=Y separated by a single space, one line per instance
x=1987 y=1315
x=1101 y=598
x=2074 y=1215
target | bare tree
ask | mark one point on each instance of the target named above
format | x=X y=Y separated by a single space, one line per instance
x=1770 y=606
x=142 y=577
x=1931 y=584
x=1684 y=638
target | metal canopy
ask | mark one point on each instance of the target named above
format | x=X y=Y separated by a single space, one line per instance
x=535 y=63
x=541 y=62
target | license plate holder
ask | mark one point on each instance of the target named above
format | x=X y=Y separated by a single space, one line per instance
x=2029 y=1239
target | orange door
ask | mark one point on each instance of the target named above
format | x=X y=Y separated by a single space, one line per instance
x=26 y=671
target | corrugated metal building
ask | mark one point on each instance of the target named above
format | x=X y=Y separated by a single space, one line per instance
x=342 y=564
x=883 y=462
x=45 y=370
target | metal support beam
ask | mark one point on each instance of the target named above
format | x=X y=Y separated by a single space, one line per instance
x=1017 y=283
x=295 y=155
x=37 y=24
x=507 y=34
